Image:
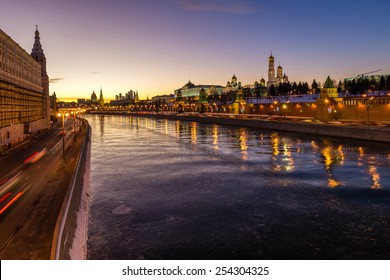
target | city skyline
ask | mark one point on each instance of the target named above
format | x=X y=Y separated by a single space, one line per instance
x=155 y=47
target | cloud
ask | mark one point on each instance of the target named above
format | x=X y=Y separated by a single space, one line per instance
x=226 y=7
x=55 y=80
x=93 y=73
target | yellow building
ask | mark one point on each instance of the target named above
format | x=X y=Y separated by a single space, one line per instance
x=329 y=90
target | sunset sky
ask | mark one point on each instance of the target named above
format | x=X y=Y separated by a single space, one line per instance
x=156 y=46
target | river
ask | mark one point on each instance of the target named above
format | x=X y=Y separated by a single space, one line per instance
x=165 y=189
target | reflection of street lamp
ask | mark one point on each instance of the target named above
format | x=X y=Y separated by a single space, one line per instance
x=63 y=115
x=369 y=104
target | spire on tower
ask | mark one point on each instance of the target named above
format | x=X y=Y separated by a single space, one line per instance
x=39 y=56
x=101 y=94
x=101 y=100
x=37 y=51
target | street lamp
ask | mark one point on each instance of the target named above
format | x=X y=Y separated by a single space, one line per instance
x=63 y=115
x=369 y=104
x=284 y=111
x=74 y=120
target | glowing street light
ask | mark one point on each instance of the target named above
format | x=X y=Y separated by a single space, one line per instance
x=63 y=115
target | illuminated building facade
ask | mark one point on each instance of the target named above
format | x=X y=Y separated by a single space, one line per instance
x=192 y=90
x=329 y=89
x=233 y=85
x=24 y=91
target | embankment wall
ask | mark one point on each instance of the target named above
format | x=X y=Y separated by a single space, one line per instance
x=67 y=221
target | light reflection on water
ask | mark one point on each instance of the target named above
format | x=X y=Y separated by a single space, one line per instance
x=178 y=190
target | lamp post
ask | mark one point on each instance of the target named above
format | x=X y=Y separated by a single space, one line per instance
x=63 y=115
x=74 y=120
x=369 y=104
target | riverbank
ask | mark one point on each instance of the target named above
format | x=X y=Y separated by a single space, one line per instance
x=377 y=133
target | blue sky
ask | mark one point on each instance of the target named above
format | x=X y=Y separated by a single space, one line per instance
x=155 y=46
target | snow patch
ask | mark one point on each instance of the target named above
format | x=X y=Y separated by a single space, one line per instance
x=121 y=210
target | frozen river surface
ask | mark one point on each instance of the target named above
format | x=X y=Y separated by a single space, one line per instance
x=175 y=190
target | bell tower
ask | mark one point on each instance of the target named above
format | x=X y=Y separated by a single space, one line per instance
x=271 y=70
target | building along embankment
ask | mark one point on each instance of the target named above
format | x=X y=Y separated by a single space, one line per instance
x=334 y=129
x=70 y=235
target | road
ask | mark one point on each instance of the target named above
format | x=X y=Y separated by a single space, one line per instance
x=31 y=185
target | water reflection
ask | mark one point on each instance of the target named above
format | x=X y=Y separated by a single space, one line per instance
x=243 y=144
x=194 y=133
x=178 y=129
x=101 y=122
x=342 y=165
x=166 y=126
x=287 y=157
x=332 y=158
x=201 y=191
x=373 y=172
x=215 y=136
x=282 y=153
x=361 y=156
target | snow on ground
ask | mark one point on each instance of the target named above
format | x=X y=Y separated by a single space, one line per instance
x=79 y=246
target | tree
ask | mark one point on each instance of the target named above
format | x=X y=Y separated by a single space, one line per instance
x=302 y=88
x=382 y=83
x=353 y=87
x=388 y=82
x=373 y=84
x=280 y=89
x=294 y=88
x=340 y=86
x=305 y=88
x=272 y=90
x=314 y=86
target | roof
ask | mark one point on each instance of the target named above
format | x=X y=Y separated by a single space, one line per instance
x=329 y=83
